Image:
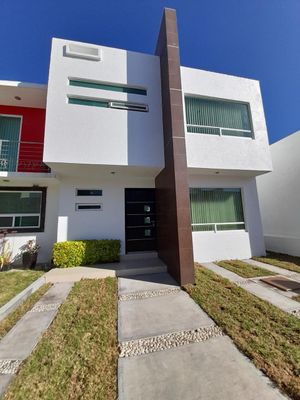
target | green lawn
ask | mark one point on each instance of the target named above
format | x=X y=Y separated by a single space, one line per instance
x=267 y=335
x=244 y=269
x=13 y=282
x=281 y=260
x=7 y=323
x=77 y=356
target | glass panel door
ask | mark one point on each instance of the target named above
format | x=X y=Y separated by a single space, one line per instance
x=9 y=142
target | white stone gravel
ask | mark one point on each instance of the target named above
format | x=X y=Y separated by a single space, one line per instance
x=45 y=307
x=296 y=313
x=152 y=344
x=9 y=367
x=148 y=294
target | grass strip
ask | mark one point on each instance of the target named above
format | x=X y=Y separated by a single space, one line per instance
x=281 y=260
x=267 y=335
x=7 y=323
x=13 y=282
x=297 y=298
x=244 y=269
x=77 y=356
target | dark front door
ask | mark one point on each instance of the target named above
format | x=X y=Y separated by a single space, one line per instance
x=140 y=219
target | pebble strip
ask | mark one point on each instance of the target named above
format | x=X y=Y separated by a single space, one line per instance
x=152 y=344
x=148 y=293
x=9 y=367
x=45 y=307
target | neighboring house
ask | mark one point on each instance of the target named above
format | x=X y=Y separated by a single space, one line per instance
x=279 y=197
x=140 y=149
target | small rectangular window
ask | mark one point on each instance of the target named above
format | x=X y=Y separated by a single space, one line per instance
x=88 y=207
x=88 y=192
x=106 y=86
x=129 y=106
x=87 y=102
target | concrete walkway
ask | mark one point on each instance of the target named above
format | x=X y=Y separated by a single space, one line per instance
x=281 y=271
x=19 y=342
x=171 y=349
x=259 y=289
x=136 y=264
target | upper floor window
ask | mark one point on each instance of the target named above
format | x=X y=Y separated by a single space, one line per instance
x=218 y=117
x=107 y=86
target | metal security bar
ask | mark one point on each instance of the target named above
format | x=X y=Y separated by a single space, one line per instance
x=219 y=130
x=16 y=156
x=215 y=225
x=18 y=220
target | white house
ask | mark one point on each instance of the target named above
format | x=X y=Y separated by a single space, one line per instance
x=136 y=148
x=279 y=196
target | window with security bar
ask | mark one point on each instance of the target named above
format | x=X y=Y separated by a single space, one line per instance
x=218 y=117
x=216 y=209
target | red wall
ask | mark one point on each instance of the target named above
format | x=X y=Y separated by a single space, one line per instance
x=32 y=130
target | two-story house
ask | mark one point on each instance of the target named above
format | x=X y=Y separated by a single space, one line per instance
x=140 y=149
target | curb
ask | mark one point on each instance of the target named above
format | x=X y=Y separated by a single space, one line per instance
x=20 y=297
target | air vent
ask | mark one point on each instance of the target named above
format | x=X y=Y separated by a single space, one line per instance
x=82 y=51
x=129 y=106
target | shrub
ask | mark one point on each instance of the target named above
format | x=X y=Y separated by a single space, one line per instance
x=85 y=252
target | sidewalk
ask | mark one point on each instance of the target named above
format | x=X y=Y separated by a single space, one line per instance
x=259 y=289
x=19 y=342
x=171 y=349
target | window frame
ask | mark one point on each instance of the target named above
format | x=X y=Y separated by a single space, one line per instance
x=215 y=230
x=193 y=95
x=42 y=214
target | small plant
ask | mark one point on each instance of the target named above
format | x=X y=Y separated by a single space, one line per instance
x=31 y=247
x=30 y=253
x=5 y=251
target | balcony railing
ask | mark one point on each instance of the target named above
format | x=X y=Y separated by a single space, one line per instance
x=22 y=156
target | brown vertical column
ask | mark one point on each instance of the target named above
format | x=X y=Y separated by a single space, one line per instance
x=174 y=233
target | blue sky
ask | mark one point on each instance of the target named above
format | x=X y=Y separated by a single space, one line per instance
x=259 y=39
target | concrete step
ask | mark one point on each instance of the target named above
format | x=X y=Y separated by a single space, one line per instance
x=139 y=255
x=141 y=271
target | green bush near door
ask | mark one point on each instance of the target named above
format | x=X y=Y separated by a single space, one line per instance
x=85 y=252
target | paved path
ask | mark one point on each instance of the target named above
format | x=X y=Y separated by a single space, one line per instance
x=259 y=289
x=170 y=349
x=281 y=271
x=24 y=336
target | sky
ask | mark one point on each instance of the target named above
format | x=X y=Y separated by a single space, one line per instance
x=258 y=39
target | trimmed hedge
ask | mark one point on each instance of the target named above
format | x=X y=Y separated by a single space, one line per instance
x=85 y=252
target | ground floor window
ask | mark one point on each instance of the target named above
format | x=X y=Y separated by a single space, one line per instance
x=216 y=209
x=22 y=209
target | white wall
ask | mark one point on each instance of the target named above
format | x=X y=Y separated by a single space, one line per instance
x=237 y=244
x=92 y=135
x=225 y=152
x=106 y=224
x=44 y=239
x=279 y=197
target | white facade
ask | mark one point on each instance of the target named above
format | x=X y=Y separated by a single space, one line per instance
x=279 y=196
x=93 y=147
x=209 y=152
x=103 y=136
x=232 y=244
x=228 y=162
